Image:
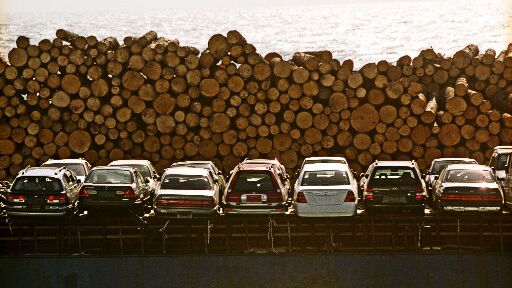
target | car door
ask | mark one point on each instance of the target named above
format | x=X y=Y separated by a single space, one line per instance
x=507 y=187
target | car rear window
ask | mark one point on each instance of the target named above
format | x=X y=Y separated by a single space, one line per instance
x=440 y=165
x=35 y=184
x=144 y=170
x=253 y=182
x=469 y=176
x=393 y=176
x=185 y=182
x=325 y=178
x=109 y=176
x=78 y=169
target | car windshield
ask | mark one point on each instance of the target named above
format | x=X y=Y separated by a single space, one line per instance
x=144 y=170
x=253 y=182
x=33 y=184
x=185 y=182
x=325 y=178
x=469 y=176
x=109 y=176
x=78 y=169
x=501 y=161
x=440 y=165
x=393 y=176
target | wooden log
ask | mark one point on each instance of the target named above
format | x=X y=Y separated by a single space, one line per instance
x=449 y=135
x=456 y=105
x=462 y=58
x=364 y=118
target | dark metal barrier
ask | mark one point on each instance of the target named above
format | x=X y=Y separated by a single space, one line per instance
x=319 y=270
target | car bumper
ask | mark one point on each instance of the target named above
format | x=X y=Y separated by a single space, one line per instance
x=385 y=207
x=280 y=209
x=470 y=209
x=102 y=205
x=184 y=212
x=304 y=210
x=49 y=212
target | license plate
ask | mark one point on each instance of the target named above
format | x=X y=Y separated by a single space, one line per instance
x=394 y=199
x=254 y=198
x=184 y=214
x=106 y=194
x=36 y=202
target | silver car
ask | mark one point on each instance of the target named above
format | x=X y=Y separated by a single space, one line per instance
x=325 y=190
x=186 y=192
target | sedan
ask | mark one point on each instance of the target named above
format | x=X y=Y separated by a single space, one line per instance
x=121 y=189
x=467 y=188
x=325 y=190
x=185 y=193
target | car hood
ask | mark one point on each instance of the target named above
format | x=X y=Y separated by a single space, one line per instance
x=185 y=192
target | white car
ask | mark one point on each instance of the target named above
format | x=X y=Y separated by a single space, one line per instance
x=186 y=192
x=325 y=190
x=145 y=167
x=324 y=159
x=80 y=167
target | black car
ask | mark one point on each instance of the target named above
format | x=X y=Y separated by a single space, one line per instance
x=115 y=189
x=43 y=192
x=438 y=165
x=467 y=188
x=394 y=185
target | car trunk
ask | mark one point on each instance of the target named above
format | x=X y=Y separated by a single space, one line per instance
x=322 y=197
x=404 y=194
x=107 y=192
x=471 y=196
x=185 y=199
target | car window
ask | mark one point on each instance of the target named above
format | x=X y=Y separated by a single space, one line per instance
x=185 y=182
x=39 y=184
x=253 y=182
x=393 y=176
x=501 y=161
x=325 y=178
x=77 y=168
x=109 y=176
x=140 y=178
x=440 y=165
x=469 y=176
x=144 y=169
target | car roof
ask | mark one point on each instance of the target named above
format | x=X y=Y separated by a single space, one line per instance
x=395 y=163
x=43 y=171
x=50 y=161
x=467 y=167
x=326 y=166
x=261 y=161
x=114 y=168
x=454 y=159
x=325 y=158
x=502 y=148
x=129 y=162
x=255 y=166
x=187 y=171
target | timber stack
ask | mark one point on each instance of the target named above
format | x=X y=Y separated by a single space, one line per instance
x=153 y=98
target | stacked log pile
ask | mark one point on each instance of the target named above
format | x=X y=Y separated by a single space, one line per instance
x=150 y=97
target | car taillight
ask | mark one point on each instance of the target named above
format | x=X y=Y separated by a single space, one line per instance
x=130 y=193
x=15 y=198
x=301 y=198
x=83 y=193
x=55 y=199
x=236 y=198
x=350 y=197
x=368 y=193
x=419 y=193
x=491 y=197
x=274 y=198
x=184 y=203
